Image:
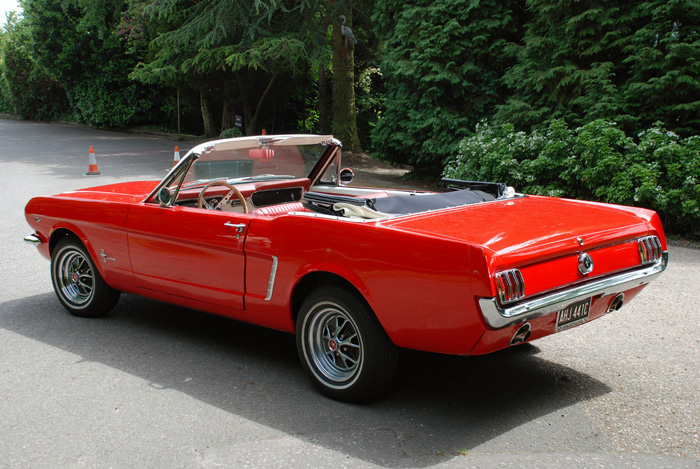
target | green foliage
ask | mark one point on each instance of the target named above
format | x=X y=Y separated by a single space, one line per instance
x=663 y=59
x=369 y=102
x=425 y=73
x=568 y=64
x=105 y=97
x=535 y=163
x=238 y=51
x=88 y=49
x=667 y=178
x=232 y=132
x=631 y=62
x=442 y=65
x=598 y=162
x=27 y=88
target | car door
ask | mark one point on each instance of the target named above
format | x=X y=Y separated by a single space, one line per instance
x=189 y=252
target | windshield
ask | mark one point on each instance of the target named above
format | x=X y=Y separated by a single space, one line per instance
x=276 y=160
x=247 y=159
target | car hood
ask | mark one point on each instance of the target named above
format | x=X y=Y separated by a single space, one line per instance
x=120 y=192
x=531 y=227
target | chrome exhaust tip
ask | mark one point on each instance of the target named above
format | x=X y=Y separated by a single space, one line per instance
x=522 y=334
x=616 y=303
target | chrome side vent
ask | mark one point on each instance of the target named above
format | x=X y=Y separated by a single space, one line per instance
x=649 y=249
x=510 y=286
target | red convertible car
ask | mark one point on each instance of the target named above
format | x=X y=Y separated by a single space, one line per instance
x=269 y=230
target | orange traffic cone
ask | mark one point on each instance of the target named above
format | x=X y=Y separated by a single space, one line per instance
x=264 y=132
x=92 y=164
x=176 y=156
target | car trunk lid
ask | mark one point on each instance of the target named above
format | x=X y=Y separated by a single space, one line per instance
x=542 y=237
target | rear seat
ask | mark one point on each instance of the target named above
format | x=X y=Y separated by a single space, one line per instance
x=280 y=209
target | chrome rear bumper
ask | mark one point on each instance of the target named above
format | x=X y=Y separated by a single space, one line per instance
x=497 y=316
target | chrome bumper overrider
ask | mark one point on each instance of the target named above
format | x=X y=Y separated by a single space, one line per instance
x=497 y=316
x=32 y=239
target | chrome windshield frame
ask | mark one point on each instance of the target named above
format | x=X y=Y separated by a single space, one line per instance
x=240 y=143
x=178 y=171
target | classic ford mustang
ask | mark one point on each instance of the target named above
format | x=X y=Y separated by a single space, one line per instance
x=269 y=230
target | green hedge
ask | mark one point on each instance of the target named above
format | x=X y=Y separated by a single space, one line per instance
x=657 y=170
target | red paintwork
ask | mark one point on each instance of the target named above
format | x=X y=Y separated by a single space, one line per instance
x=422 y=275
x=539 y=236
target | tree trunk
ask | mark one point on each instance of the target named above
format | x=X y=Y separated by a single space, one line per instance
x=344 y=116
x=251 y=126
x=207 y=112
x=228 y=115
x=323 y=101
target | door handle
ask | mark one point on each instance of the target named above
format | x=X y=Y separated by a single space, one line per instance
x=238 y=226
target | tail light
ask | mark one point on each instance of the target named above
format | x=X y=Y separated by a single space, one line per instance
x=510 y=286
x=649 y=249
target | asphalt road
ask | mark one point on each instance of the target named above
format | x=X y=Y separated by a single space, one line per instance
x=161 y=386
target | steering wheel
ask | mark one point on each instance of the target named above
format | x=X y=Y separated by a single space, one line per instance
x=227 y=197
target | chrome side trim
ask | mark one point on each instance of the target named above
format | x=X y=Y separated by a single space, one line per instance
x=32 y=239
x=273 y=275
x=497 y=316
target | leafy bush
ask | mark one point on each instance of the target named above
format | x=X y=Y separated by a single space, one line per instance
x=667 y=179
x=232 y=132
x=658 y=170
x=27 y=88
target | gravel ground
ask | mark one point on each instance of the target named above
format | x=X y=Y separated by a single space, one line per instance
x=372 y=172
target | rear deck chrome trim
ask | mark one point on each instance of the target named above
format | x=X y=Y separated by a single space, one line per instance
x=497 y=316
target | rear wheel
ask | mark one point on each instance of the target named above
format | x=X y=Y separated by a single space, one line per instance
x=77 y=282
x=342 y=345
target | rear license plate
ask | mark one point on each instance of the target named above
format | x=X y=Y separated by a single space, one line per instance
x=573 y=315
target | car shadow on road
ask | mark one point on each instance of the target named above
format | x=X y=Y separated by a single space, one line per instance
x=438 y=406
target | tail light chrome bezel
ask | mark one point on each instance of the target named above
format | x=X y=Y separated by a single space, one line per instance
x=650 y=250
x=510 y=286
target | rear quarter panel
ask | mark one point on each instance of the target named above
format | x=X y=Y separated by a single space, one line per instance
x=420 y=287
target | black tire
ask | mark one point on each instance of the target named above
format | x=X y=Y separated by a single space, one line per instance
x=77 y=282
x=342 y=345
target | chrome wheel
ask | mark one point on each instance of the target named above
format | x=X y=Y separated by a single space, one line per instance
x=75 y=278
x=334 y=344
x=77 y=282
x=342 y=345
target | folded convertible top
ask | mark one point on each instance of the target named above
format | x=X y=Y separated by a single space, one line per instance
x=397 y=204
x=407 y=204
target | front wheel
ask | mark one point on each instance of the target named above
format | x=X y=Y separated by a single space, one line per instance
x=77 y=282
x=342 y=345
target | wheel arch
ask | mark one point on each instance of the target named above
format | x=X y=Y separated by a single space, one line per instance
x=62 y=232
x=58 y=235
x=313 y=280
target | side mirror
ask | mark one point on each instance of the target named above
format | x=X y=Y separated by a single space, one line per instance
x=346 y=176
x=164 y=197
